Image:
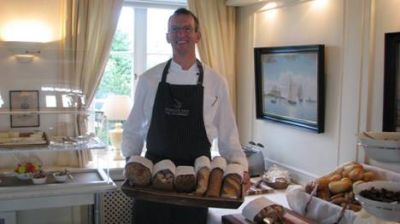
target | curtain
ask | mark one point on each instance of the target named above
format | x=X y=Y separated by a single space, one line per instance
x=88 y=28
x=217 y=45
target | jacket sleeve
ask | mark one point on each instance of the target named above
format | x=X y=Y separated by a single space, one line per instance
x=228 y=136
x=136 y=126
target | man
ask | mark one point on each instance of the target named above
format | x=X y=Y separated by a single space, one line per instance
x=180 y=107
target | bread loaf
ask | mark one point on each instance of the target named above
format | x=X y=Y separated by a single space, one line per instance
x=163 y=175
x=273 y=213
x=261 y=209
x=218 y=165
x=185 y=179
x=138 y=171
x=232 y=182
x=202 y=168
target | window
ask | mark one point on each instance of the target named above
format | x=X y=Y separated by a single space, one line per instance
x=139 y=43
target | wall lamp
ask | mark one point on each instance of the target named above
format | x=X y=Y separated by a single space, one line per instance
x=24 y=51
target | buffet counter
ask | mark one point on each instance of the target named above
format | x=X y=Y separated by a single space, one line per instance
x=80 y=189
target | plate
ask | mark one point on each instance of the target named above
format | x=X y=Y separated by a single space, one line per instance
x=184 y=199
x=25 y=139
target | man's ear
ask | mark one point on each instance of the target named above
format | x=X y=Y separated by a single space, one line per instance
x=167 y=38
x=198 y=37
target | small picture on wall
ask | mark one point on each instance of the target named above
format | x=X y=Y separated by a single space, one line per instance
x=290 y=85
x=25 y=106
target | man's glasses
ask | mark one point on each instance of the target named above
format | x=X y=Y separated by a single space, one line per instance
x=177 y=29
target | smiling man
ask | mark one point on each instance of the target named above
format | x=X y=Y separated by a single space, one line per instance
x=180 y=107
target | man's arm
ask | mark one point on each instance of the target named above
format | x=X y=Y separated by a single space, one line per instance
x=136 y=126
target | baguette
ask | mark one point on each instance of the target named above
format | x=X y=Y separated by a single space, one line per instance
x=218 y=166
x=232 y=182
x=202 y=166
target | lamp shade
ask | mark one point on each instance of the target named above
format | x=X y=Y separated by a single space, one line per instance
x=117 y=107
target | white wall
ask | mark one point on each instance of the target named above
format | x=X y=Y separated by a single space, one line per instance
x=38 y=18
x=352 y=32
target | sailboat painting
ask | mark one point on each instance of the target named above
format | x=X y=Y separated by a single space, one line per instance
x=289 y=85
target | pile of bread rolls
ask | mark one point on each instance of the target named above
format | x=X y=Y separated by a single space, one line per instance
x=206 y=178
x=337 y=186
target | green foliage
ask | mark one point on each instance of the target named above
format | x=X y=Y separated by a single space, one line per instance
x=118 y=72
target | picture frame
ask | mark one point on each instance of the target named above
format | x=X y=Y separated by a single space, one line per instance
x=26 y=105
x=290 y=85
x=391 y=93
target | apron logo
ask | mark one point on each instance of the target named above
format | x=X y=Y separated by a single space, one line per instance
x=176 y=109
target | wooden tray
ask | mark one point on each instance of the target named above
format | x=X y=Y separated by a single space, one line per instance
x=184 y=199
x=44 y=142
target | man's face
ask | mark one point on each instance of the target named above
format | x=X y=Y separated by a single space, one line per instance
x=182 y=35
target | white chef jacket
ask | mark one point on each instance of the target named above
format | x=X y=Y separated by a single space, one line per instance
x=218 y=116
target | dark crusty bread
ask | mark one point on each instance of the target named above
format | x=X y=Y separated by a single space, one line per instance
x=138 y=171
x=185 y=179
x=137 y=174
x=163 y=175
x=163 y=180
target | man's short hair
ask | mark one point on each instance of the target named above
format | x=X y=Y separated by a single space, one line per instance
x=184 y=11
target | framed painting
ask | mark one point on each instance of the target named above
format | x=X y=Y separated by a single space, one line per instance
x=290 y=85
x=25 y=105
x=391 y=92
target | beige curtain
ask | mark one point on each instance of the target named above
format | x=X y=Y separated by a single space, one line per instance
x=88 y=30
x=217 y=45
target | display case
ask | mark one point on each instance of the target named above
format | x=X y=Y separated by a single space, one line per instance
x=51 y=148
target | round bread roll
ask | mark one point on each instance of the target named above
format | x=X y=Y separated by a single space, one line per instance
x=323 y=182
x=335 y=177
x=356 y=174
x=369 y=176
x=342 y=185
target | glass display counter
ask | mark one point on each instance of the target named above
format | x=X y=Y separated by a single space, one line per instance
x=53 y=149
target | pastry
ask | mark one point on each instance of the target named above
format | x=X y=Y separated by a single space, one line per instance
x=138 y=171
x=185 y=179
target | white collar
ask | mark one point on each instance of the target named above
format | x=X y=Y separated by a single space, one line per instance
x=176 y=67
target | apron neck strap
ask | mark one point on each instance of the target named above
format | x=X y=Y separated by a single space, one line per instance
x=199 y=66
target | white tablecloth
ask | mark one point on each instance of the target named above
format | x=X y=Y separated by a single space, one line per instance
x=215 y=214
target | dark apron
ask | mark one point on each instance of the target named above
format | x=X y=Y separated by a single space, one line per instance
x=176 y=132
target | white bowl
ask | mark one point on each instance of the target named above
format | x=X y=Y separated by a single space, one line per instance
x=383 y=210
x=60 y=178
x=41 y=180
x=23 y=176
x=381 y=146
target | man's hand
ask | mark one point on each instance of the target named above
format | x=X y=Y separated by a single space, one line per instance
x=246 y=181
